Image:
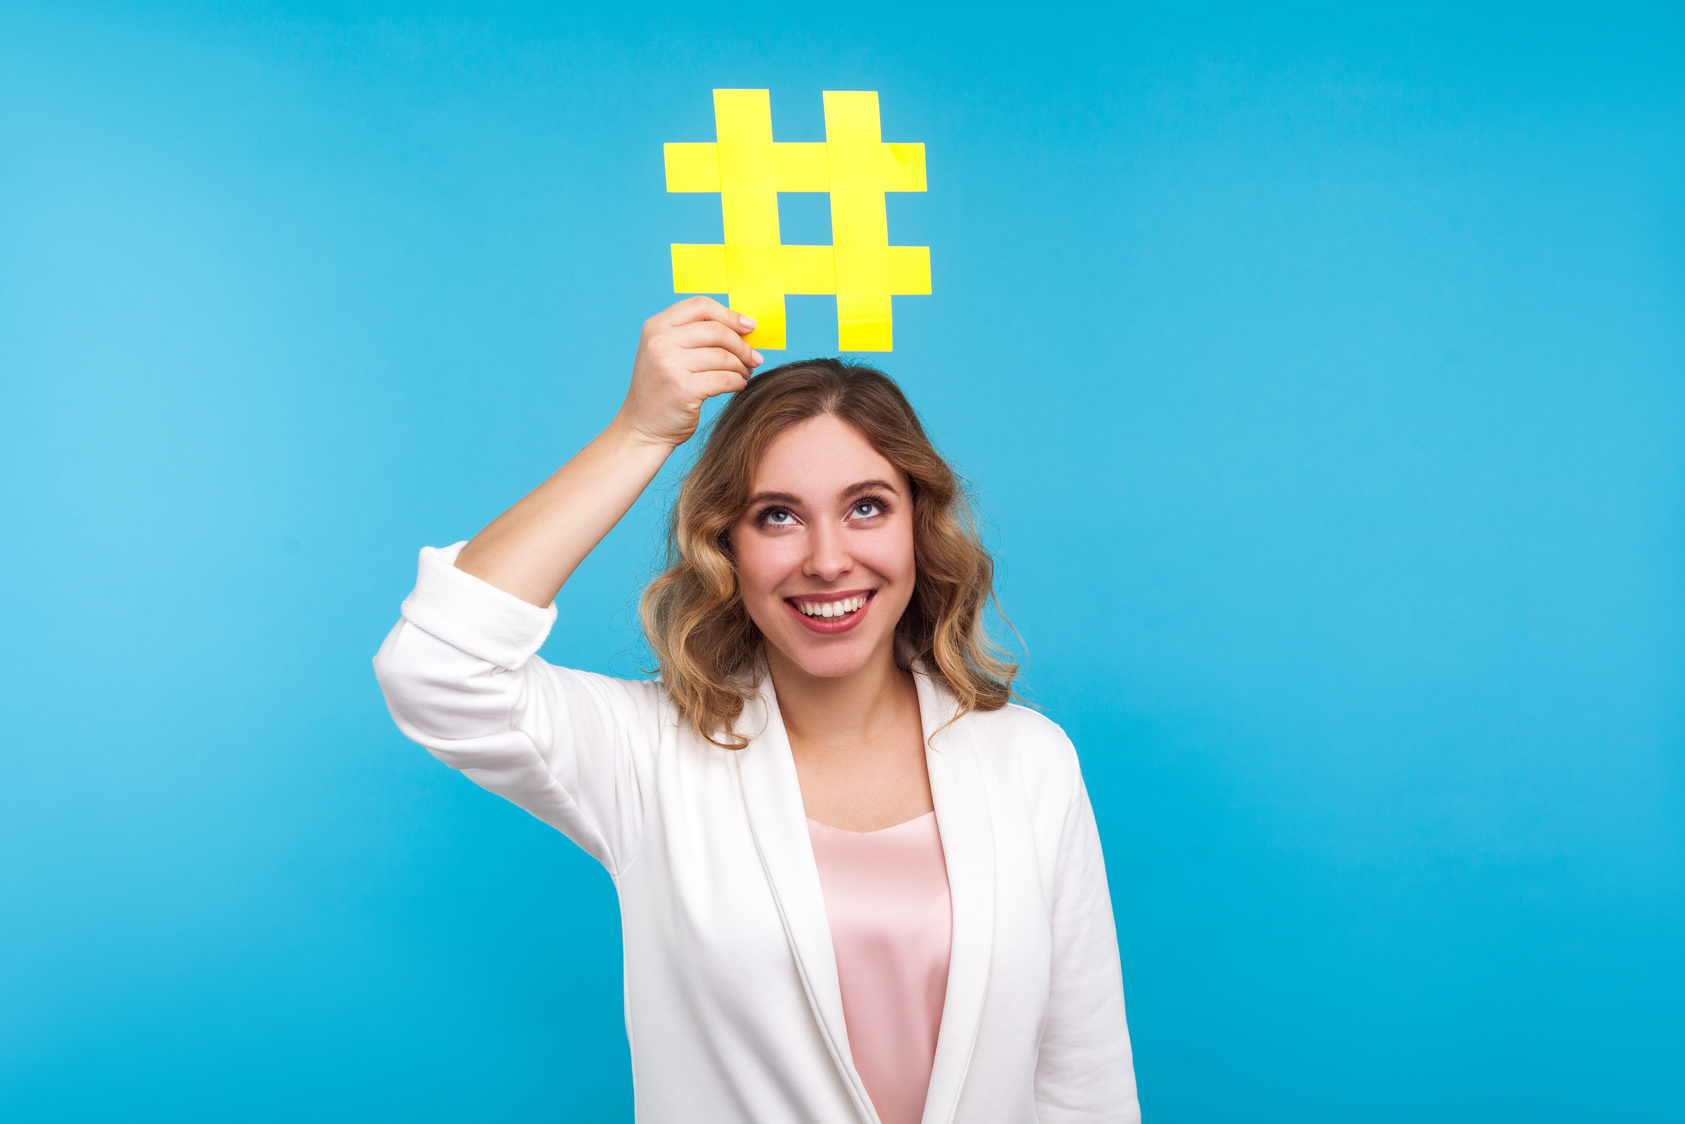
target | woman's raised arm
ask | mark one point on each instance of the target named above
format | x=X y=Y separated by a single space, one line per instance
x=686 y=355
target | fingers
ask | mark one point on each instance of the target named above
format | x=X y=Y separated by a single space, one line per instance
x=687 y=353
x=726 y=382
x=713 y=334
x=694 y=309
x=703 y=360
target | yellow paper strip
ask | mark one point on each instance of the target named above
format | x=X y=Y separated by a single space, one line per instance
x=909 y=271
x=801 y=167
x=699 y=269
x=692 y=167
x=809 y=270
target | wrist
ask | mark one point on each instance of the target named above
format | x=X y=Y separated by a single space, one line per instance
x=624 y=431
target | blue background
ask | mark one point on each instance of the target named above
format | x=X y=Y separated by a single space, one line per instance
x=1322 y=376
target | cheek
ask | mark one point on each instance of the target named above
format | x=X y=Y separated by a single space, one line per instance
x=763 y=562
x=891 y=555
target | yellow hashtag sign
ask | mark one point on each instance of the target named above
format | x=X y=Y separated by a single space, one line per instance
x=748 y=169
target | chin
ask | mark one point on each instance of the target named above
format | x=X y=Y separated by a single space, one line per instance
x=834 y=660
x=830 y=666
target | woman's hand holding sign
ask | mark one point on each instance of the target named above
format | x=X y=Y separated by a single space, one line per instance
x=686 y=354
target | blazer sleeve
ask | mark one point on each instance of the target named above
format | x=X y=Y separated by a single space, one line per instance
x=1084 y=1070
x=460 y=677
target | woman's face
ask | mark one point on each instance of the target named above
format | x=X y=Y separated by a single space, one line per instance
x=825 y=551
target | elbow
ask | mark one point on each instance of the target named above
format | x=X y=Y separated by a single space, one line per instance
x=401 y=677
x=421 y=689
x=394 y=669
x=438 y=694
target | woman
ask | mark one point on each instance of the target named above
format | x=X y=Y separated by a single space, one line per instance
x=855 y=883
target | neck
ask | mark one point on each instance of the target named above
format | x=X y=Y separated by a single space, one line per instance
x=845 y=710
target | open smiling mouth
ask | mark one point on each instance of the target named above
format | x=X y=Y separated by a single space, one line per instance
x=834 y=614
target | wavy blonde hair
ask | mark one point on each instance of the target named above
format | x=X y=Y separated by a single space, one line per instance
x=705 y=644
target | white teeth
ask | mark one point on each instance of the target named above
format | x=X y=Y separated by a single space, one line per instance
x=826 y=610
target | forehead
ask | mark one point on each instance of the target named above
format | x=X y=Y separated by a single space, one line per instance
x=820 y=457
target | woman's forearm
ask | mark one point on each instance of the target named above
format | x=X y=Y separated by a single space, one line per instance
x=686 y=354
x=531 y=549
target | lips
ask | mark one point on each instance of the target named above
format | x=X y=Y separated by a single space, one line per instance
x=831 y=613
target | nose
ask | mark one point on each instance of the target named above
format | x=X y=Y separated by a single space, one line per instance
x=827 y=552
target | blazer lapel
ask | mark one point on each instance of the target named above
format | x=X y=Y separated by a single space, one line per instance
x=968 y=846
x=772 y=798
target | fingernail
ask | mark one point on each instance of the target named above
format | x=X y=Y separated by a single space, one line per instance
x=755 y=357
x=747 y=323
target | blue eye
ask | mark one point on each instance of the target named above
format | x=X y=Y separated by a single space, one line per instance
x=866 y=509
x=778 y=517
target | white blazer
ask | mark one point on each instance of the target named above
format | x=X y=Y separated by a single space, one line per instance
x=733 y=1008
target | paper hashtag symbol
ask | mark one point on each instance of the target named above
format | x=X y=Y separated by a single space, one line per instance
x=754 y=267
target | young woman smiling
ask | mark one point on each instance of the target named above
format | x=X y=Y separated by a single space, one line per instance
x=856 y=883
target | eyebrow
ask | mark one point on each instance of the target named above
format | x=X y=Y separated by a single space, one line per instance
x=852 y=489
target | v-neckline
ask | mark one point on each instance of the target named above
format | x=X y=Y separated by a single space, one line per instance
x=771 y=791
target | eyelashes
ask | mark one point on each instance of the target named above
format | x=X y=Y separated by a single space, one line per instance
x=767 y=516
x=878 y=502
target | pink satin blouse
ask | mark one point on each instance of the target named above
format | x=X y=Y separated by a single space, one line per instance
x=886 y=895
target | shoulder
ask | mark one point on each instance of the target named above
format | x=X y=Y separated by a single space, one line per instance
x=1023 y=730
x=1026 y=742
